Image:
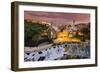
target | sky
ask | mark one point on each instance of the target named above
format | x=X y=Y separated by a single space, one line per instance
x=57 y=18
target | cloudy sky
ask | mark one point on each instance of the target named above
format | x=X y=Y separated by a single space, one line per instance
x=57 y=18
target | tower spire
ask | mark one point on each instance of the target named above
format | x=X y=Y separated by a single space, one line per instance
x=73 y=22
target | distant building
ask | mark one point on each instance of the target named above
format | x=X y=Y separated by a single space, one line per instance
x=51 y=32
x=64 y=37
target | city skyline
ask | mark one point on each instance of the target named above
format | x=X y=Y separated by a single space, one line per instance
x=57 y=18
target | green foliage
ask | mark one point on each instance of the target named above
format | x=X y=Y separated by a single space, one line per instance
x=32 y=32
x=86 y=32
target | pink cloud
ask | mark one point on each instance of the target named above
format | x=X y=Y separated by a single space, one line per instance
x=57 y=17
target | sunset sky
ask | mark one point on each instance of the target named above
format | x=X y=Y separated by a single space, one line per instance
x=57 y=18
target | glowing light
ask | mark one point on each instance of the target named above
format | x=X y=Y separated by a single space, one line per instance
x=64 y=37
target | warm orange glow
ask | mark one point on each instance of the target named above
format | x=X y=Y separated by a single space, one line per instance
x=64 y=37
x=79 y=33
